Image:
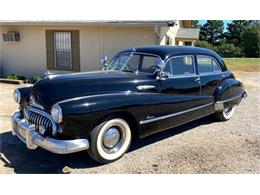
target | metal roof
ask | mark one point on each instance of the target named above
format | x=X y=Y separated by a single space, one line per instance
x=188 y=33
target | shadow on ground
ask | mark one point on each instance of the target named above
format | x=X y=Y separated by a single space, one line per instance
x=23 y=160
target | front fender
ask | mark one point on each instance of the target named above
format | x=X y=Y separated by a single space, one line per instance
x=105 y=102
x=80 y=115
x=25 y=92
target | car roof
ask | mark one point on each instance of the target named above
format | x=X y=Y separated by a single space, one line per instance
x=166 y=52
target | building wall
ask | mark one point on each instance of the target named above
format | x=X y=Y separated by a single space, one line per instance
x=169 y=32
x=96 y=42
x=28 y=57
x=1 y=71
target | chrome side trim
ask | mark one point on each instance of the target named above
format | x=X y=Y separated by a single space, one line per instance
x=219 y=105
x=27 y=133
x=223 y=101
x=172 y=115
x=145 y=87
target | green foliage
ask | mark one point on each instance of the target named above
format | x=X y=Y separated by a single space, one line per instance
x=29 y=80
x=241 y=39
x=224 y=50
x=243 y=64
x=250 y=40
x=212 y=32
x=16 y=77
x=228 y=50
x=234 y=31
x=204 y=44
x=195 y=24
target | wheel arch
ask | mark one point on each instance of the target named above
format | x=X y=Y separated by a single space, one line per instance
x=228 y=89
x=125 y=115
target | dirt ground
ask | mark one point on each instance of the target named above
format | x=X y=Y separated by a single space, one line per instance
x=202 y=146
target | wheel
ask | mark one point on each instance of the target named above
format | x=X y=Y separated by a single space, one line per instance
x=109 y=140
x=226 y=114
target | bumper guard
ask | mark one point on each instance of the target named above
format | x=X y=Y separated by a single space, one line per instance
x=27 y=133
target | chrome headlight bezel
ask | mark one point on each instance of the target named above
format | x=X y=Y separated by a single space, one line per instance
x=56 y=113
x=17 y=96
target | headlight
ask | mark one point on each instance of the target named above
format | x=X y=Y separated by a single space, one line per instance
x=17 y=96
x=56 y=113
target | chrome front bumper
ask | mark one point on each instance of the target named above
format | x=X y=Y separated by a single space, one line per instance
x=27 y=133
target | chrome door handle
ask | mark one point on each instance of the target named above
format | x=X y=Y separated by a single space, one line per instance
x=145 y=87
x=197 y=79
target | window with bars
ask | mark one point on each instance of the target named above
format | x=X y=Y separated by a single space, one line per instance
x=63 y=50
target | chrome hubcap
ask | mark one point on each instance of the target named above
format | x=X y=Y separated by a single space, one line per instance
x=228 y=110
x=111 y=137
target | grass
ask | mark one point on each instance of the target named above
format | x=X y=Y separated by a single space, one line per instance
x=243 y=64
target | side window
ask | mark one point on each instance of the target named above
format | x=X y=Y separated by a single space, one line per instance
x=207 y=64
x=133 y=62
x=216 y=67
x=149 y=64
x=183 y=65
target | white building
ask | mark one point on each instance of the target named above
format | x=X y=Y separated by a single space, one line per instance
x=30 y=48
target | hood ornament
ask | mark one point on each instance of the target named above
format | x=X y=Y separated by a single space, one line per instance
x=48 y=73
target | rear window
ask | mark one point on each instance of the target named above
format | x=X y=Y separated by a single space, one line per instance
x=182 y=65
x=207 y=64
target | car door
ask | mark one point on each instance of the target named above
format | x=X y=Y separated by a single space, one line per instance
x=181 y=99
x=210 y=74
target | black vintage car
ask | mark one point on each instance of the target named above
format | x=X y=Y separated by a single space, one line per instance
x=141 y=91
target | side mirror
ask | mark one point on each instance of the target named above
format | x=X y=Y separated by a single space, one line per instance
x=160 y=65
x=103 y=59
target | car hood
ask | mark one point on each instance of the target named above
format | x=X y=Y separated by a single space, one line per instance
x=55 y=88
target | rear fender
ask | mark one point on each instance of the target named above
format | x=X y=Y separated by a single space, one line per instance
x=228 y=93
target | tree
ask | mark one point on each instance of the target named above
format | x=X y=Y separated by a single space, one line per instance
x=228 y=50
x=204 y=44
x=235 y=30
x=212 y=32
x=195 y=24
x=225 y=49
x=250 y=40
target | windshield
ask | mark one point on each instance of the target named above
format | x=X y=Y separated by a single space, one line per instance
x=134 y=62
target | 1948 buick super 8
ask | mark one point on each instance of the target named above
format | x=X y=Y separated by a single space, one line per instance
x=141 y=91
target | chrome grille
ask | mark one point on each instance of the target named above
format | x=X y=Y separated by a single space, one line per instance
x=39 y=118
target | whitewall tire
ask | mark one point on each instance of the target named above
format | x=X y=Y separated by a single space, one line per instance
x=226 y=114
x=110 y=140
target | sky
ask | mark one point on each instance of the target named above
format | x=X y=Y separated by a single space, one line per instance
x=225 y=22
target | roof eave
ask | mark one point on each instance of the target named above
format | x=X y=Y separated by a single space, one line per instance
x=89 y=22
